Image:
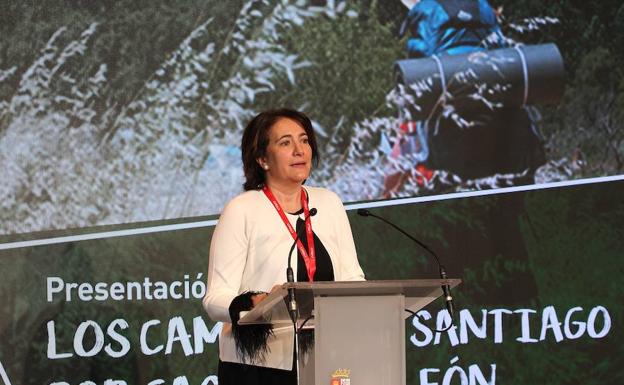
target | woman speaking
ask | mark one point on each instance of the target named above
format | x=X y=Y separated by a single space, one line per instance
x=249 y=248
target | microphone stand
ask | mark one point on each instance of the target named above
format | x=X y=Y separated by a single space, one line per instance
x=446 y=289
x=290 y=275
x=293 y=310
x=292 y=307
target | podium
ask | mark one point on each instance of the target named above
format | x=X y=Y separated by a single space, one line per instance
x=359 y=326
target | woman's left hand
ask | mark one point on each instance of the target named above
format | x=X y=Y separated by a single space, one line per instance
x=256 y=299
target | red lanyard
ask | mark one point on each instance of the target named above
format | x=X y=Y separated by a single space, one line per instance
x=309 y=257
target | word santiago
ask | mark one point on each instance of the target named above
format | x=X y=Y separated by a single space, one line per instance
x=577 y=322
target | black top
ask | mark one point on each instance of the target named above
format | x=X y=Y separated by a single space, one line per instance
x=324 y=267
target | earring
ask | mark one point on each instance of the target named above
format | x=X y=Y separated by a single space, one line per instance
x=266 y=166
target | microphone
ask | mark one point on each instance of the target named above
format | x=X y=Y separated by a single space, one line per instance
x=290 y=276
x=446 y=289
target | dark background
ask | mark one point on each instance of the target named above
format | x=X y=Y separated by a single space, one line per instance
x=558 y=247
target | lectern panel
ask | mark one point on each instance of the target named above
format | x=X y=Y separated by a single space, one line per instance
x=362 y=336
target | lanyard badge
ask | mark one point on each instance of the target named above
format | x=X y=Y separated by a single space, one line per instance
x=309 y=256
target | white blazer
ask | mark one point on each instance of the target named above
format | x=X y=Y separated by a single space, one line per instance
x=249 y=252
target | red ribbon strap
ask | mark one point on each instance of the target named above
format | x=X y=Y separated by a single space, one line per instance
x=309 y=256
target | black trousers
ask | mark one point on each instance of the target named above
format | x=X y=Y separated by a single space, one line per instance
x=231 y=373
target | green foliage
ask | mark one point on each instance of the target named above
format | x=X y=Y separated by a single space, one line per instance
x=134 y=39
x=582 y=25
x=574 y=241
x=350 y=73
x=351 y=60
x=588 y=125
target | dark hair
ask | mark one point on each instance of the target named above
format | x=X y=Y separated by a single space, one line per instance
x=256 y=139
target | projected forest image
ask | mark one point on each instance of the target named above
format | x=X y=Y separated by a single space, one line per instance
x=125 y=111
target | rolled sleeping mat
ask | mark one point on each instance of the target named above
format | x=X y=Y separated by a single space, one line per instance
x=513 y=77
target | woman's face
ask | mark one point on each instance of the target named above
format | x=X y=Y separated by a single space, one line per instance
x=288 y=154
